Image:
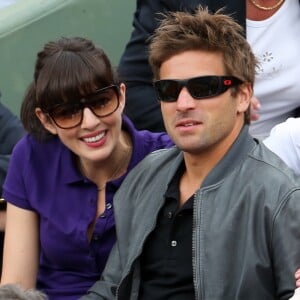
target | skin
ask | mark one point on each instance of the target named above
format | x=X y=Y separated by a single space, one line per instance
x=255 y=107
x=297 y=276
x=204 y=129
x=2 y=220
x=21 y=250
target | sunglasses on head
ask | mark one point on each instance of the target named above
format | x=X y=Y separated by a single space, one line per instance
x=201 y=87
x=103 y=102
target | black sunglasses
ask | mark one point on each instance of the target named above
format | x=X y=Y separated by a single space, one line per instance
x=168 y=90
x=103 y=102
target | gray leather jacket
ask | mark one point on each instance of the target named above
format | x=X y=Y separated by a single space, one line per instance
x=246 y=235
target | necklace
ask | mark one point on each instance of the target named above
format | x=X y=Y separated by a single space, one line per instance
x=267 y=8
x=120 y=168
x=101 y=188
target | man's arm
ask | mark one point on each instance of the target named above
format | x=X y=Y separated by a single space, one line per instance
x=106 y=287
x=285 y=242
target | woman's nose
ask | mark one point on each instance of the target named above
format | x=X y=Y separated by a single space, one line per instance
x=89 y=119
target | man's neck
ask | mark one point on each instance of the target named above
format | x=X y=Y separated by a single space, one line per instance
x=199 y=165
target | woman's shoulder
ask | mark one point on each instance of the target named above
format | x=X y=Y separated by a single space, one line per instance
x=29 y=149
x=29 y=143
x=145 y=141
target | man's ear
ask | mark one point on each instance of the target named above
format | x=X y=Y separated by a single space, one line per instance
x=46 y=121
x=244 y=96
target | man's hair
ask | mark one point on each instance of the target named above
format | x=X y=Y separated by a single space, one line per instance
x=15 y=292
x=201 y=30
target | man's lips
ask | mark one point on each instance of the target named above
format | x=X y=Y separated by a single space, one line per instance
x=187 y=123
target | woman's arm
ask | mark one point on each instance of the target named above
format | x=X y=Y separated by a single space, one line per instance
x=21 y=247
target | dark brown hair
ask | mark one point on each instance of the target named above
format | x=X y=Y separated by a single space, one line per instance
x=201 y=30
x=65 y=71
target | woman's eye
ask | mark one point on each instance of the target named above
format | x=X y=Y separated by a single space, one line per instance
x=66 y=111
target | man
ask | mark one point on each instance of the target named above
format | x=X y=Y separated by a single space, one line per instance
x=217 y=216
x=269 y=24
x=141 y=104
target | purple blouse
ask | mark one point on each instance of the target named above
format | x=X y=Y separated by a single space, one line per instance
x=43 y=177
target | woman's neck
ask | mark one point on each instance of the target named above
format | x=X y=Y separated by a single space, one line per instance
x=111 y=168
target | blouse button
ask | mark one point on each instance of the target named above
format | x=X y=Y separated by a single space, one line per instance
x=108 y=206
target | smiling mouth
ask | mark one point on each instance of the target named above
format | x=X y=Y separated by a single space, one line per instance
x=95 y=139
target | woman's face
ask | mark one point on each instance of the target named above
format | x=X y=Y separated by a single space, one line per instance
x=95 y=138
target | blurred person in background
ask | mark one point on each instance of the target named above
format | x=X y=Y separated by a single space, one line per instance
x=11 y=130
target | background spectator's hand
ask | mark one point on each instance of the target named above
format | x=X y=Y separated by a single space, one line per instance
x=297 y=276
x=255 y=106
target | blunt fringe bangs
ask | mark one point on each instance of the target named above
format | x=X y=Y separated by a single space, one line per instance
x=72 y=73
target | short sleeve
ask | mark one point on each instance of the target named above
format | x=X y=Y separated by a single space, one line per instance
x=284 y=141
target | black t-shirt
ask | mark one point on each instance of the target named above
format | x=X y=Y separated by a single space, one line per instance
x=166 y=261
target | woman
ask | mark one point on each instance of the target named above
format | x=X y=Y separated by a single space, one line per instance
x=64 y=173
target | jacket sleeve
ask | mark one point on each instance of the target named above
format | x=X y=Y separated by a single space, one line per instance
x=285 y=241
x=106 y=287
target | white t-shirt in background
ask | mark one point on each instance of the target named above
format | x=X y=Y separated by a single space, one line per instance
x=276 y=43
x=284 y=140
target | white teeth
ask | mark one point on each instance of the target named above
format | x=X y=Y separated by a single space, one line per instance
x=190 y=124
x=94 y=138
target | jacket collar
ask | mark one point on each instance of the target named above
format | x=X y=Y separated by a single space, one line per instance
x=233 y=158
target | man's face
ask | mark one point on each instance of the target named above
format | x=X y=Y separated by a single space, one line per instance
x=197 y=125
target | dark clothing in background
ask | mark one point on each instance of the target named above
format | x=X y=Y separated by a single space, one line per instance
x=11 y=130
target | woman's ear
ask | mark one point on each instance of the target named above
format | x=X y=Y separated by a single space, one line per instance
x=122 y=96
x=46 y=121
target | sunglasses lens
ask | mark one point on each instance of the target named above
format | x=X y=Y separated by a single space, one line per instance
x=66 y=115
x=198 y=87
x=104 y=102
x=167 y=90
x=203 y=87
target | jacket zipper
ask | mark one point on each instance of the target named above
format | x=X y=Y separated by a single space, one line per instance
x=195 y=275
